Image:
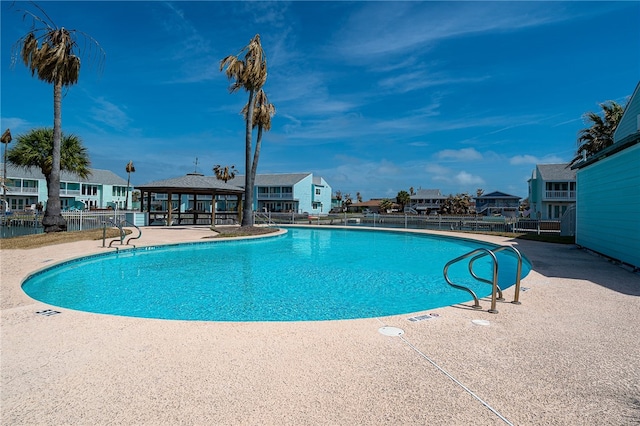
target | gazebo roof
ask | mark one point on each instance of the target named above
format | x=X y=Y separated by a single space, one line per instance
x=191 y=184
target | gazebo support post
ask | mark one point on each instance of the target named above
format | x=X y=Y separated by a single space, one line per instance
x=194 y=209
x=213 y=208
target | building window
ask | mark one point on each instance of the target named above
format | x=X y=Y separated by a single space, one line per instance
x=317 y=191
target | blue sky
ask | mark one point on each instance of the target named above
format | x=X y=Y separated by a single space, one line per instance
x=376 y=97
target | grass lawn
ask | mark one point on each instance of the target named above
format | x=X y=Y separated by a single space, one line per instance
x=41 y=240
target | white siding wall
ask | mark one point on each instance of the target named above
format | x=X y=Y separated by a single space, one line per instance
x=608 y=206
x=302 y=191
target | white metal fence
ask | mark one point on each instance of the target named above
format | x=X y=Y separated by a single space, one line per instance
x=31 y=223
x=408 y=221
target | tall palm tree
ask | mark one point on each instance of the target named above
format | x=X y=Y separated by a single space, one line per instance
x=599 y=134
x=50 y=51
x=262 y=113
x=130 y=169
x=225 y=173
x=249 y=73
x=35 y=149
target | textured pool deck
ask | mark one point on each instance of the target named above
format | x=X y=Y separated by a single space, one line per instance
x=568 y=355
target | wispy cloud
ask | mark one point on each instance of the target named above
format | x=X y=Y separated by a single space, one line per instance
x=109 y=114
x=17 y=125
x=517 y=160
x=464 y=154
x=416 y=26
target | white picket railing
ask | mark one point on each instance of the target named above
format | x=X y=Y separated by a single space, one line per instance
x=83 y=220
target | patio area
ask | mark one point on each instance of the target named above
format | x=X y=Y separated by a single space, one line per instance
x=567 y=355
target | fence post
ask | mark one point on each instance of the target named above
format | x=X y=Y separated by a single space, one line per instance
x=80 y=220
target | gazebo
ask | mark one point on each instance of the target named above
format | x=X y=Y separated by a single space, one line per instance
x=193 y=184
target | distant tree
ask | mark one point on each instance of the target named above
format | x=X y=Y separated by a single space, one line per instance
x=249 y=73
x=225 y=173
x=457 y=204
x=524 y=205
x=386 y=205
x=358 y=197
x=129 y=169
x=479 y=192
x=338 y=197
x=403 y=198
x=599 y=134
x=347 y=201
x=35 y=149
x=49 y=51
x=411 y=191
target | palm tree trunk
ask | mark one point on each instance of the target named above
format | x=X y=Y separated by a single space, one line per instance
x=247 y=216
x=256 y=156
x=53 y=220
x=126 y=198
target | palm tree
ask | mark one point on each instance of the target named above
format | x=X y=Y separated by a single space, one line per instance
x=403 y=198
x=262 y=113
x=35 y=149
x=599 y=134
x=225 y=173
x=49 y=51
x=249 y=73
x=358 y=197
x=130 y=169
x=347 y=201
x=339 y=199
x=386 y=205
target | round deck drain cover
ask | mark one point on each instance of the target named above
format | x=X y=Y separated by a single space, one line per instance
x=391 y=331
x=481 y=322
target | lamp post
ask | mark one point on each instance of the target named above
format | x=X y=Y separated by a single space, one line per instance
x=6 y=140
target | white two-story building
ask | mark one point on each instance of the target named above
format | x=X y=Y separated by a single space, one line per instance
x=25 y=188
x=289 y=192
x=552 y=190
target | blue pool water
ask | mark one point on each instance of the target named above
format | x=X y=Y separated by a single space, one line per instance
x=304 y=275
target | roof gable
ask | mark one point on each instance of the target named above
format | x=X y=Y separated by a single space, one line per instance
x=97 y=176
x=191 y=182
x=630 y=121
x=497 y=194
x=556 y=172
x=428 y=194
x=275 y=179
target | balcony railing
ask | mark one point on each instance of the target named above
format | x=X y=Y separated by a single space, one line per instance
x=69 y=191
x=560 y=195
x=276 y=196
x=22 y=189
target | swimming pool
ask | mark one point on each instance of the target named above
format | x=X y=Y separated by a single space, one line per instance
x=306 y=274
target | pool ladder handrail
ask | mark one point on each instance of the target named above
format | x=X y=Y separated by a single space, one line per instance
x=486 y=252
x=515 y=251
x=496 y=291
x=123 y=234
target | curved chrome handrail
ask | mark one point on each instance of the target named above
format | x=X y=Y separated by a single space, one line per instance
x=494 y=281
x=518 y=271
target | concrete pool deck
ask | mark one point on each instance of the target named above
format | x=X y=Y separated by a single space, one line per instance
x=568 y=355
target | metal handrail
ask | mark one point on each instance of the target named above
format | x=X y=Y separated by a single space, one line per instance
x=494 y=281
x=123 y=234
x=139 y=232
x=518 y=271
